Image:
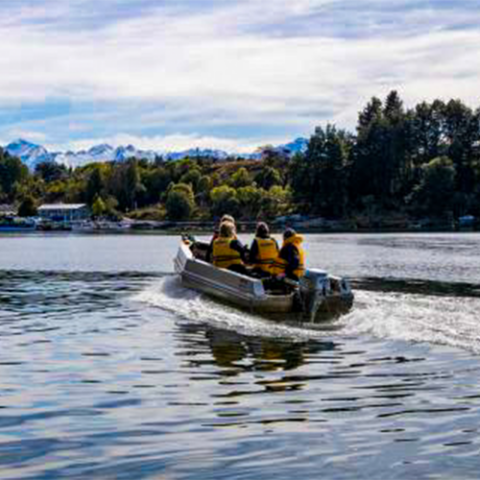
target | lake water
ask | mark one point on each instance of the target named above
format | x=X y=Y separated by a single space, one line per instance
x=109 y=368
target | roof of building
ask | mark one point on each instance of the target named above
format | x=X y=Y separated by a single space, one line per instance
x=62 y=206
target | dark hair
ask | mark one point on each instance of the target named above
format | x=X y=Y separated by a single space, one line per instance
x=262 y=230
x=289 y=232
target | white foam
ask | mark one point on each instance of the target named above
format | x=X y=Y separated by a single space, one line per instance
x=396 y=316
x=168 y=294
x=441 y=320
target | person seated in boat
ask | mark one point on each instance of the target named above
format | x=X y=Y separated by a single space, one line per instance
x=228 y=252
x=263 y=251
x=290 y=262
x=216 y=233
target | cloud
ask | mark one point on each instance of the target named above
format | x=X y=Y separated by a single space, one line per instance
x=206 y=66
x=33 y=136
x=169 y=143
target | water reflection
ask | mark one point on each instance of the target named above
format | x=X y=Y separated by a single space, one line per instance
x=236 y=354
x=97 y=383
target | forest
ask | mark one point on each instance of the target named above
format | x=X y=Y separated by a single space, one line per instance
x=416 y=163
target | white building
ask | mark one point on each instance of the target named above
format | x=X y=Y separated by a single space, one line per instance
x=64 y=212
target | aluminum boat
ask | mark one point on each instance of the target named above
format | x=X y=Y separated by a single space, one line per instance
x=316 y=296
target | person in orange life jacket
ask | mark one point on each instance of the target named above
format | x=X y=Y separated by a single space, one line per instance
x=263 y=251
x=290 y=262
x=216 y=233
x=228 y=252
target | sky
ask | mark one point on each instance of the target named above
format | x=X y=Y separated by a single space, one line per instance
x=229 y=74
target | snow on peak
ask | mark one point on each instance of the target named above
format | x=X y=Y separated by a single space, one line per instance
x=101 y=150
x=32 y=154
x=29 y=153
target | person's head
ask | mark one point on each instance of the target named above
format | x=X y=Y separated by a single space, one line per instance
x=227 y=218
x=262 y=230
x=289 y=232
x=227 y=229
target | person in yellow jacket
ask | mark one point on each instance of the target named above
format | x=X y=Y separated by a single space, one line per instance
x=263 y=251
x=216 y=234
x=290 y=262
x=227 y=250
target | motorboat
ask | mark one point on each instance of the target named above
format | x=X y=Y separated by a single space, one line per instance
x=12 y=223
x=316 y=296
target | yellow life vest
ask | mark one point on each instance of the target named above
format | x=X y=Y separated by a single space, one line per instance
x=223 y=255
x=280 y=265
x=267 y=253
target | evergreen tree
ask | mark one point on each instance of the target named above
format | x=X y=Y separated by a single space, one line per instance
x=12 y=172
x=95 y=185
x=241 y=178
x=180 y=202
x=51 y=171
x=132 y=184
x=434 y=194
x=98 y=207
x=268 y=177
x=462 y=135
x=224 y=201
x=28 y=207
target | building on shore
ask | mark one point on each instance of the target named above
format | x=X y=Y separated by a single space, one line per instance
x=64 y=212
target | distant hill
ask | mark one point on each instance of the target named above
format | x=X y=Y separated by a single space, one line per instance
x=32 y=154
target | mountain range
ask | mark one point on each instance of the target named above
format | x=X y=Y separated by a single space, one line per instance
x=32 y=154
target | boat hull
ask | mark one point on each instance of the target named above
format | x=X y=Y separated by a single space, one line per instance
x=249 y=293
x=231 y=287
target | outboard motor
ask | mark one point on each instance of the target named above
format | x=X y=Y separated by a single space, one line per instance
x=314 y=288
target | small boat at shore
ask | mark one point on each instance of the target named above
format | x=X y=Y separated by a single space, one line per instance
x=16 y=224
x=316 y=296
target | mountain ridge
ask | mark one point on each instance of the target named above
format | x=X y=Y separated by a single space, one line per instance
x=32 y=154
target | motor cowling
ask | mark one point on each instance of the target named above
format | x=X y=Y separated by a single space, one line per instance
x=314 y=287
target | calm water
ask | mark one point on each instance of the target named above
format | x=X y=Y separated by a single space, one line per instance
x=110 y=369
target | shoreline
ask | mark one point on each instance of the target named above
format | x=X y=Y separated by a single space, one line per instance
x=205 y=231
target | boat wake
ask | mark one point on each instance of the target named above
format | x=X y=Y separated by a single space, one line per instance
x=169 y=295
x=442 y=320
x=435 y=319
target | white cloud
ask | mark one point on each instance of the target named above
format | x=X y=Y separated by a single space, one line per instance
x=230 y=65
x=169 y=143
x=30 y=135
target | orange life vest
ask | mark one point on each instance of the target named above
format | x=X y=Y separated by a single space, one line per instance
x=223 y=254
x=280 y=264
x=266 y=255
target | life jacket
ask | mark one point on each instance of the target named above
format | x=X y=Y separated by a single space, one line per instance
x=223 y=254
x=280 y=264
x=267 y=253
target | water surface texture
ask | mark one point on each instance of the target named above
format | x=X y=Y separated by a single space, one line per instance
x=109 y=368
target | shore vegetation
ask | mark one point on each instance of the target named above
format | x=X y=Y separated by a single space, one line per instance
x=398 y=163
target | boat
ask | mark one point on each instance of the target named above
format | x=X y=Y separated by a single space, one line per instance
x=16 y=224
x=316 y=296
x=103 y=226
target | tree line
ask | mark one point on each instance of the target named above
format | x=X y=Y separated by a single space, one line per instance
x=422 y=161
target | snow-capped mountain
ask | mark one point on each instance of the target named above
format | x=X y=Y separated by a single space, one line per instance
x=98 y=153
x=32 y=154
x=29 y=153
x=101 y=153
x=124 y=153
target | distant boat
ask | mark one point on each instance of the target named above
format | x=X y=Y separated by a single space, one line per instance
x=16 y=224
x=93 y=226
